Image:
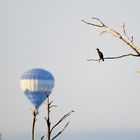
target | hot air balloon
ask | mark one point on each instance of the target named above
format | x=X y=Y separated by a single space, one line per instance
x=37 y=85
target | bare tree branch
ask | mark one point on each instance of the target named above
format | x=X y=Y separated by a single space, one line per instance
x=34 y=113
x=115 y=57
x=124 y=31
x=99 y=21
x=53 y=106
x=61 y=119
x=125 y=34
x=48 y=119
x=103 y=32
x=97 y=25
x=60 y=131
x=106 y=29
x=49 y=105
x=42 y=137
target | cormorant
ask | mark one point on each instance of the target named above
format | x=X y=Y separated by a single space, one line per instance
x=101 y=56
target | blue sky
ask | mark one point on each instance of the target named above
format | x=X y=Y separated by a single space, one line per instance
x=50 y=35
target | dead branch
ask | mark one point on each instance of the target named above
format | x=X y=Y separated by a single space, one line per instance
x=51 y=106
x=101 y=24
x=125 y=34
x=123 y=37
x=62 y=119
x=114 y=57
x=34 y=113
x=60 y=131
x=48 y=121
x=42 y=137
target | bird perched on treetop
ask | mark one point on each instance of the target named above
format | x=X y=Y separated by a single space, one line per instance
x=101 y=56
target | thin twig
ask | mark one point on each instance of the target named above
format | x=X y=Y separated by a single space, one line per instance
x=60 y=131
x=61 y=119
x=97 y=25
x=53 y=106
x=42 y=137
x=99 y=21
x=124 y=31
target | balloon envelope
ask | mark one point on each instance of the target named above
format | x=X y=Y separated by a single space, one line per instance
x=37 y=85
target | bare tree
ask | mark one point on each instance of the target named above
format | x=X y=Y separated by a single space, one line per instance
x=129 y=41
x=34 y=113
x=50 y=105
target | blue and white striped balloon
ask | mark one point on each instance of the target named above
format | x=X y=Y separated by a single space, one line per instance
x=34 y=82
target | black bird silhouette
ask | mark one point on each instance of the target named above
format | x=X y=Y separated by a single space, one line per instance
x=101 y=56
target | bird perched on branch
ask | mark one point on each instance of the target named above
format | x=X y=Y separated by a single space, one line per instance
x=101 y=56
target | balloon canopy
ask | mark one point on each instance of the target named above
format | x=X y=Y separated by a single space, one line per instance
x=37 y=85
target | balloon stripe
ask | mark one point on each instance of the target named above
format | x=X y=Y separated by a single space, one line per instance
x=37 y=74
x=36 y=85
x=33 y=83
x=36 y=98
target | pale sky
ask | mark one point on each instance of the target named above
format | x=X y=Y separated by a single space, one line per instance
x=49 y=34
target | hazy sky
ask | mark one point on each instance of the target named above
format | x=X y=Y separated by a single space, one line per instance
x=49 y=34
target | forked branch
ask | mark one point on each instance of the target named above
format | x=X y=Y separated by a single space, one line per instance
x=48 y=121
x=123 y=37
x=62 y=119
x=60 y=131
